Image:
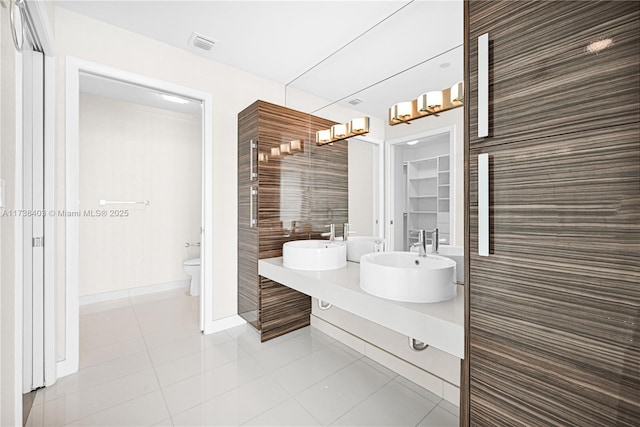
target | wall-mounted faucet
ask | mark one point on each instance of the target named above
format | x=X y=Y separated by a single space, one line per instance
x=422 y=241
x=186 y=245
x=332 y=233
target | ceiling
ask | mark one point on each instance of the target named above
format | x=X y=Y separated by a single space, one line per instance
x=337 y=50
x=115 y=89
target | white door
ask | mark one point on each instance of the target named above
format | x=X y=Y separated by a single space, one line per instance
x=33 y=219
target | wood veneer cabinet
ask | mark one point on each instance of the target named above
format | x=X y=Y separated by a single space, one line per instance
x=281 y=198
x=553 y=313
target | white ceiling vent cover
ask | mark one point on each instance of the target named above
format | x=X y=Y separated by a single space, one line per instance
x=202 y=42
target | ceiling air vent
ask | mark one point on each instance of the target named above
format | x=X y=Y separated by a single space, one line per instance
x=356 y=101
x=202 y=42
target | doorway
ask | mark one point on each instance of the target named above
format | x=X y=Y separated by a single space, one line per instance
x=75 y=70
x=421 y=187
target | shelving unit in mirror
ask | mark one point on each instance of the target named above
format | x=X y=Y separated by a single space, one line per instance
x=427 y=198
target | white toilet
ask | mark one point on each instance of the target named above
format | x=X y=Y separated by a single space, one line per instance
x=192 y=268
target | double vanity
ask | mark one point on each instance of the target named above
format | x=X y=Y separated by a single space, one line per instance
x=413 y=295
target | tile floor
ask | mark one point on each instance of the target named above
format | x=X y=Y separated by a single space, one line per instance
x=144 y=362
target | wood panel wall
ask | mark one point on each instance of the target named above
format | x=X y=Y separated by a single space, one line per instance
x=248 y=289
x=299 y=194
x=553 y=314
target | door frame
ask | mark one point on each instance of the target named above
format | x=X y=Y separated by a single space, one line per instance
x=389 y=159
x=378 y=212
x=38 y=28
x=74 y=66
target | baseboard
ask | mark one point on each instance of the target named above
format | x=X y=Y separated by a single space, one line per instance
x=141 y=290
x=227 y=323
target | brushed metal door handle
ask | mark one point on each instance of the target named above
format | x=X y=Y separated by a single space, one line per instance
x=483 y=85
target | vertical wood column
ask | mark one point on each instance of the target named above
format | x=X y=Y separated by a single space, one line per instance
x=298 y=194
x=553 y=313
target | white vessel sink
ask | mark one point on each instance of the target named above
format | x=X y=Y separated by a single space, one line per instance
x=407 y=277
x=361 y=245
x=314 y=255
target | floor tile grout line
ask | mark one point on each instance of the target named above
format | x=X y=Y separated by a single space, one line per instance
x=155 y=372
x=324 y=378
x=315 y=339
x=441 y=399
x=334 y=373
x=221 y=394
x=200 y=351
x=267 y=410
x=108 y=360
x=266 y=373
x=67 y=422
x=426 y=416
x=97 y=347
x=110 y=407
x=357 y=403
x=102 y=382
x=457 y=415
x=294 y=360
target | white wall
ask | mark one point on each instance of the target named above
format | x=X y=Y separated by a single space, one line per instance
x=361 y=186
x=10 y=293
x=135 y=152
x=232 y=90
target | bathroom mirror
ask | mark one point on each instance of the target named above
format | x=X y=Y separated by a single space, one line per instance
x=347 y=85
x=373 y=173
x=353 y=82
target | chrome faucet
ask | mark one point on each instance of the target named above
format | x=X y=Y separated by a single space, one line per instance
x=346 y=231
x=422 y=241
x=331 y=234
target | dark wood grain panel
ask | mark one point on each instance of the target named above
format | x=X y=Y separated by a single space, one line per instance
x=555 y=309
x=543 y=81
x=248 y=294
x=298 y=194
x=553 y=313
x=282 y=309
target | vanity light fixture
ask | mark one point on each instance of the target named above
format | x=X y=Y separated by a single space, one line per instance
x=173 y=98
x=357 y=126
x=297 y=146
x=402 y=111
x=339 y=131
x=285 y=148
x=282 y=150
x=457 y=94
x=428 y=104
x=323 y=136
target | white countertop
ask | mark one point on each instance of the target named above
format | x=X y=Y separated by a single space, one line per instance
x=440 y=325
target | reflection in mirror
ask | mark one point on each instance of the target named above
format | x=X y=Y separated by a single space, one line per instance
x=421 y=190
x=426 y=180
x=422 y=182
x=364 y=188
